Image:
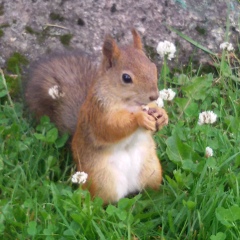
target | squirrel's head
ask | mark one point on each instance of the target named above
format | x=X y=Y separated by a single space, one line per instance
x=128 y=73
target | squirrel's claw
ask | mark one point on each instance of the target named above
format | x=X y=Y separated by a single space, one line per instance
x=160 y=116
x=146 y=121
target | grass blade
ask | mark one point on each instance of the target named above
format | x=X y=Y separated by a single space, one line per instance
x=196 y=44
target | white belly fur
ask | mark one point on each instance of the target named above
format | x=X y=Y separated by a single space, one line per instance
x=126 y=159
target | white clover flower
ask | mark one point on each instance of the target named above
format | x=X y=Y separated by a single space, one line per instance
x=160 y=102
x=55 y=92
x=79 y=177
x=208 y=152
x=207 y=117
x=226 y=46
x=167 y=94
x=166 y=48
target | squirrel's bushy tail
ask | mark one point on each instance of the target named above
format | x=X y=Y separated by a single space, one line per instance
x=57 y=87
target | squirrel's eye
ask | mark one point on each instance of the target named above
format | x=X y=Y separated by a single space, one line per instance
x=126 y=78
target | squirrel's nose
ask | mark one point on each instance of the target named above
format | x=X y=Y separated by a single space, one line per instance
x=154 y=96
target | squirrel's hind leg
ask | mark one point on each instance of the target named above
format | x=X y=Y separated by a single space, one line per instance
x=151 y=173
x=103 y=185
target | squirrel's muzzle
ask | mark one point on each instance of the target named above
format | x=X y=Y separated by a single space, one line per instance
x=154 y=96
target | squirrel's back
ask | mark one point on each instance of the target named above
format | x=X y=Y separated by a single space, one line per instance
x=58 y=86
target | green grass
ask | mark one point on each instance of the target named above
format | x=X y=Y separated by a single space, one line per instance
x=66 y=39
x=199 y=197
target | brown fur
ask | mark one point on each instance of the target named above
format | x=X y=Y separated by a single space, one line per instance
x=110 y=110
x=74 y=74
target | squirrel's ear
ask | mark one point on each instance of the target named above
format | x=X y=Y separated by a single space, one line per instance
x=110 y=50
x=137 y=42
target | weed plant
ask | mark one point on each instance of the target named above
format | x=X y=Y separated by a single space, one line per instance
x=199 y=197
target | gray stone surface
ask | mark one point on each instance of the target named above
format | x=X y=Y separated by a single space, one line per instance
x=28 y=28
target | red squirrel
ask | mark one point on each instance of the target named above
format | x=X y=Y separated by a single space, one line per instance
x=102 y=108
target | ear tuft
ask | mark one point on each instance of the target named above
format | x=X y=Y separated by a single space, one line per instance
x=137 y=42
x=110 y=48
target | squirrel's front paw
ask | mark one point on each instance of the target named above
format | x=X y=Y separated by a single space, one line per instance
x=146 y=121
x=160 y=116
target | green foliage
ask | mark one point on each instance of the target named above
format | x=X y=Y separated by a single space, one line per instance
x=1 y=9
x=65 y=39
x=14 y=61
x=228 y=216
x=191 y=41
x=29 y=30
x=14 y=84
x=56 y=16
x=3 y=90
x=4 y=25
x=207 y=187
x=199 y=197
x=200 y=30
x=1 y=33
x=40 y=34
x=150 y=51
